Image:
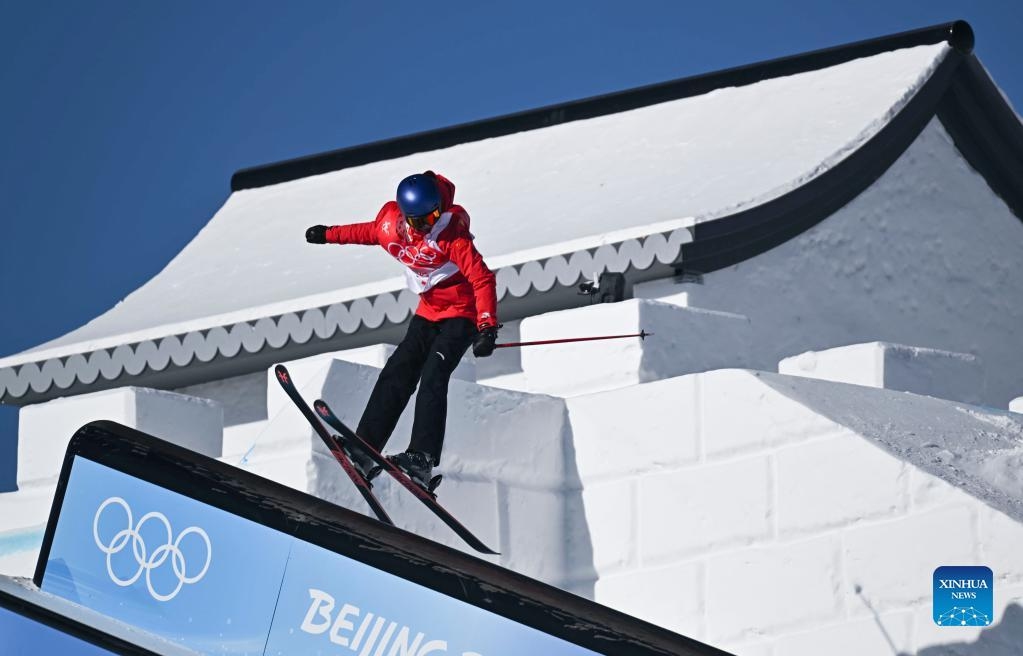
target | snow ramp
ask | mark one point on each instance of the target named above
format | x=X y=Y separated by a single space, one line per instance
x=215 y=559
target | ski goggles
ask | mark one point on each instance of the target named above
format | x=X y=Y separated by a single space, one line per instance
x=424 y=222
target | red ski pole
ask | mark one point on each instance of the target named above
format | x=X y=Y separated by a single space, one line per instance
x=642 y=335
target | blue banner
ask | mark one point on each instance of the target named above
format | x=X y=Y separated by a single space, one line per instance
x=184 y=570
x=329 y=602
x=165 y=563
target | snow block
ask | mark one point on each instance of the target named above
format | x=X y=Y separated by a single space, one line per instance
x=735 y=415
x=284 y=462
x=702 y=509
x=758 y=591
x=23 y=516
x=610 y=513
x=888 y=561
x=1000 y=538
x=885 y=634
x=242 y=397
x=832 y=471
x=1016 y=405
x=45 y=429
x=666 y=290
x=941 y=374
x=27 y=508
x=635 y=429
x=20 y=562
x=502 y=362
x=681 y=610
x=685 y=340
x=536 y=535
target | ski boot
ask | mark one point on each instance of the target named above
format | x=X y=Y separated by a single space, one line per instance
x=418 y=466
x=363 y=463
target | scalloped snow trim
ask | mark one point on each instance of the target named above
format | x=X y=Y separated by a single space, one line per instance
x=246 y=337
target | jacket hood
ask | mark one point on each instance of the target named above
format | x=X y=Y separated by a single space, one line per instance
x=447 y=191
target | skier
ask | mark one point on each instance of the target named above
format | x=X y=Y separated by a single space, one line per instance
x=424 y=230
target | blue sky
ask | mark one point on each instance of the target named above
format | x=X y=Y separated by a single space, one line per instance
x=123 y=120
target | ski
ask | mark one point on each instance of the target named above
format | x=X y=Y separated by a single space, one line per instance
x=333 y=444
x=428 y=499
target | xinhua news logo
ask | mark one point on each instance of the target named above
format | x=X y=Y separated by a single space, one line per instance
x=161 y=561
x=963 y=596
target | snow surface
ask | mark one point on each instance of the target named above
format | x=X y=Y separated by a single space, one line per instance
x=647 y=170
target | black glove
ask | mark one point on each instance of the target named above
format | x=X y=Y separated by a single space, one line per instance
x=316 y=234
x=483 y=342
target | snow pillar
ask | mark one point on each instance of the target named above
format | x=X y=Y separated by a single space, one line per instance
x=45 y=429
x=930 y=372
x=685 y=340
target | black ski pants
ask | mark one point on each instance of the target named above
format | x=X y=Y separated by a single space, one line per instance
x=426 y=356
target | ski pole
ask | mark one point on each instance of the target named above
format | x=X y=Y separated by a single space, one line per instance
x=642 y=335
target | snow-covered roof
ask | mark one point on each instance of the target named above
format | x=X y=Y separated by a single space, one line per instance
x=691 y=175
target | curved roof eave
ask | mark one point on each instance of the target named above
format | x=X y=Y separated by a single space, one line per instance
x=183 y=359
x=959 y=93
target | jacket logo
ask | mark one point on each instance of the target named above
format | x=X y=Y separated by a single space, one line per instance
x=412 y=255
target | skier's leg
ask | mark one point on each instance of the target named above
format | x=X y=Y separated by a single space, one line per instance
x=448 y=347
x=396 y=383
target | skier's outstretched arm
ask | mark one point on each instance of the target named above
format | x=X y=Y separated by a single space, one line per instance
x=353 y=233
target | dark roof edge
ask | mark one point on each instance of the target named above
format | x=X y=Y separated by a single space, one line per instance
x=959 y=93
x=986 y=131
x=731 y=239
x=958 y=34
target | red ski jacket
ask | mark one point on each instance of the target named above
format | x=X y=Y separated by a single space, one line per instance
x=443 y=266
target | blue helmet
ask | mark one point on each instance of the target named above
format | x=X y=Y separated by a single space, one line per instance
x=419 y=201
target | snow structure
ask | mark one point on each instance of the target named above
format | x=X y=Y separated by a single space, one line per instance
x=849 y=218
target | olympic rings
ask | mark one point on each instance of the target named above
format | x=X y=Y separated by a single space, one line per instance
x=148 y=562
x=412 y=255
